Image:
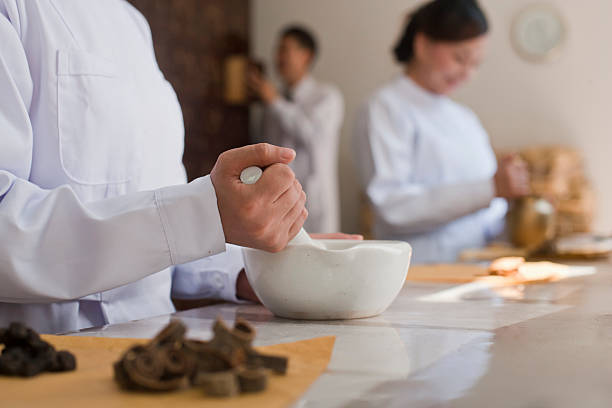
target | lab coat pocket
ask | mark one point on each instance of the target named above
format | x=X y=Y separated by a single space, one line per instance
x=96 y=119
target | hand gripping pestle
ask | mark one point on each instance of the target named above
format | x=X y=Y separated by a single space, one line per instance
x=251 y=175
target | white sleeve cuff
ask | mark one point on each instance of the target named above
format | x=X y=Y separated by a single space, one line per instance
x=191 y=220
x=209 y=278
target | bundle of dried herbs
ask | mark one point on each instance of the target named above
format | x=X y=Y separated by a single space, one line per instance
x=225 y=366
x=25 y=354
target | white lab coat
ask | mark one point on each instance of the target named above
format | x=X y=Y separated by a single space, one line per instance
x=427 y=168
x=94 y=209
x=310 y=124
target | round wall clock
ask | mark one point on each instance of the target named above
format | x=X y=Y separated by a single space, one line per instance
x=538 y=33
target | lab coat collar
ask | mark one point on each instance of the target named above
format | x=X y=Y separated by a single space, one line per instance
x=413 y=88
x=302 y=88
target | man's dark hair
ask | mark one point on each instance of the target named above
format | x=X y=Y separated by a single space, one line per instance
x=442 y=20
x=303 y=36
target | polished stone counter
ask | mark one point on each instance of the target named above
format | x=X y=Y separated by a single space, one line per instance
x=544 y=345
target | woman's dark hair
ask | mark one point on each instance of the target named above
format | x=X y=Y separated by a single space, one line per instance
x=442 y=20
x=303 y=36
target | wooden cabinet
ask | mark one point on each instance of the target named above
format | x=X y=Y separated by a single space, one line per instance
x=192 y=39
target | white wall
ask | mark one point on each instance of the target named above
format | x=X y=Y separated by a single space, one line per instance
x=567 y=101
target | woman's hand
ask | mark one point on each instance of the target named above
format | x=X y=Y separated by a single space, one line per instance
x=262 y=88
x=512 y=178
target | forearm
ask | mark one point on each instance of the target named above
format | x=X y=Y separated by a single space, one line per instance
x=407 y=213
x=58 y=248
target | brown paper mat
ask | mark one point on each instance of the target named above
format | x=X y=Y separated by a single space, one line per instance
x=92 y=385
x=491 y=253
x=446 y=273
x=466 y=273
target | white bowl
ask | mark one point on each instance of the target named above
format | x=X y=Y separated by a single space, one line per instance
x=347 y=280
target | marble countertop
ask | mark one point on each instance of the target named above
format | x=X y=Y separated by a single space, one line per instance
x=544 y=345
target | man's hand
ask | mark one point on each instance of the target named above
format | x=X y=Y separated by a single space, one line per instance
x=265 y=215
x=262 y=88
x=244 y=291
x=512 y=178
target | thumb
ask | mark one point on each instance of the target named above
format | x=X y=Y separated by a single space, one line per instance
x=260 y=155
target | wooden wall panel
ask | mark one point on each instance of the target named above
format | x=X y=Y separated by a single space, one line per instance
x=192 y=39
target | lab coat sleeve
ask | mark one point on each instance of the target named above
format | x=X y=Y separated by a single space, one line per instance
x=404 y=206
x=209 y=278
x=54 y=247
x=313 y=125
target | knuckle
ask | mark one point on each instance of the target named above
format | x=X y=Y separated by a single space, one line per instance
x=297 y=187
x=261 y=226
x=287 y=172
x=262 y=150
x=260 y=233
x=298 y=203
x=293 y=195
x=283 y=172
x=279 y=244
x=223 y=157
x=273 y=243
x=274 y=249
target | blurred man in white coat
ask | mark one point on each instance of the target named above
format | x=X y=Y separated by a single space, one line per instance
x=306 y=115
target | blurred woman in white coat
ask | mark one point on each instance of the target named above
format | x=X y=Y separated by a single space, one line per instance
x=426 y=162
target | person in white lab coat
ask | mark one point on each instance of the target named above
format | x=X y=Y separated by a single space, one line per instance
x=426 y=162
x=306 y=116
x=95 y=215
